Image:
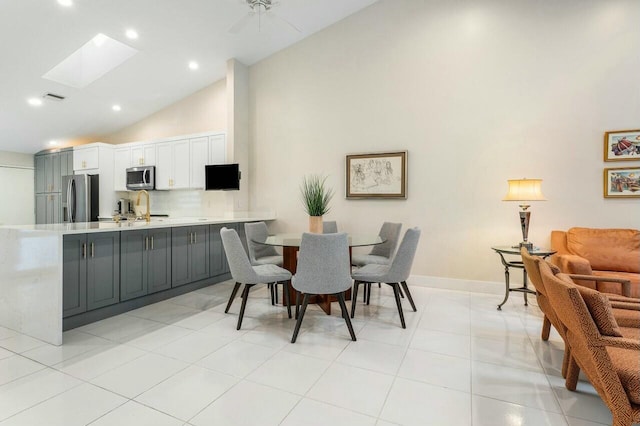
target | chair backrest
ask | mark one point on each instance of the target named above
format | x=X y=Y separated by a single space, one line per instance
x=241 y=269
x=533 y=270
x=323 y=264
x=330 y=227
x=400 y=267
x=390 y=232
x=257 y=231
x=582 y=336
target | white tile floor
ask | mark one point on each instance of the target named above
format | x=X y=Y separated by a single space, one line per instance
x=182 y=362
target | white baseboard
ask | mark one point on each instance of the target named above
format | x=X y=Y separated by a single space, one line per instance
x=489 y=287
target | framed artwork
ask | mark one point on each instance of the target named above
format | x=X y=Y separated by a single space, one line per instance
x=622 y=182
x=377 y=175
x=622 y=145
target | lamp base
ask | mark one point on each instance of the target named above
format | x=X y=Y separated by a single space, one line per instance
x=528 y=245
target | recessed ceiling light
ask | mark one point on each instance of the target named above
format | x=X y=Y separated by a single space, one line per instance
x=65 y=3
x=131 y=34
x=53 y=143
x=34 y=101
x=193 y=65
x=116 y=108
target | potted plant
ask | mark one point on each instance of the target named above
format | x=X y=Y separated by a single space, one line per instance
x=315 y=198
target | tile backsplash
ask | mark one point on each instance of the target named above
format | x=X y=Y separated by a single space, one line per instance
x=185 y=203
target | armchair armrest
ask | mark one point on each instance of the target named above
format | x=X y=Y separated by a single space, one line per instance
x=629 y=306
x=626 y=284
x=573 y=264
x=618 y=342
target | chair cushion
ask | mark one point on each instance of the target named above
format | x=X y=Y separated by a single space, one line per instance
x=626 y=363
x=271 y=273
x=627 y=317
x=269 y=260
x=600 y=309
x=606 y=249
x=366 y=259
x=371 y=273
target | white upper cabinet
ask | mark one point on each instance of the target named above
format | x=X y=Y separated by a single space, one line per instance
x=86 y=158
x=121 y=162
x=143 y=155
x=172 y=165
x=217 y=149
x=199 y=158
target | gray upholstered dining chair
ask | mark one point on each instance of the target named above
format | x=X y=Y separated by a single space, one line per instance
x=381 y=254
x=244 y=273
x=260 y=254
x=395 y=274
x=323 y=268
x=330 y=227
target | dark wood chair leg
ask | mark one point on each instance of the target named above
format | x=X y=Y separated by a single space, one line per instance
x=401 y=292
x=275 y=292
x=396 y=293
x=297 y=304
x=285 y=296
x=354 y=297
x=406 y=290
x=364 y=293
x=345 y=315
x=245 y=297
x=272 y=289
x=305 y=301
x=233 y=296
x=368 y=293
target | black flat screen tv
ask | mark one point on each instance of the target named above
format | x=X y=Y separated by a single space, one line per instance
x=224 y=177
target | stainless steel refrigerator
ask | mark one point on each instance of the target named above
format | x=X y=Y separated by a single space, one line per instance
x=80 y=195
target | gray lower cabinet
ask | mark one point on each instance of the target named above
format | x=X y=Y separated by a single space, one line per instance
x=189 y=254
x=48 y=208
x=91 y=271
x=145 y=258
x=218 y=260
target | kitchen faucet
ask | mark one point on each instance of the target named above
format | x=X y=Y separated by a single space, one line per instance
x=148 y=215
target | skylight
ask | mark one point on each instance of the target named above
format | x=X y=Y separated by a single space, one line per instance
x=97 y=57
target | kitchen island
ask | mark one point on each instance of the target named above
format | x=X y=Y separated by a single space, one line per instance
x=59 y=276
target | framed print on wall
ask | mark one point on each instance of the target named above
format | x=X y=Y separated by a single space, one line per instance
x=622 y=145
x=377 y=175
x=622 y=182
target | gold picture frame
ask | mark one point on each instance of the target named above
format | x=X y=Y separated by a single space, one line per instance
x=622 y=145
x=377 y=175
x=622 y=182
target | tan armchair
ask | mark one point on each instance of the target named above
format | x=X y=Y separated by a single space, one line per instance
x=614 y=253
x=607 y=354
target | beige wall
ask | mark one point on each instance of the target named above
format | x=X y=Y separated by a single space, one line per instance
x=478 y=92
x=203 y=111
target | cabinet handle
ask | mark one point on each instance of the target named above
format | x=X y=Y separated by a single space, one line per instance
x=146 y=243
x=152 y=242
x=190 y=237
x=195 y=237
x=84 y=251
x=93 y=250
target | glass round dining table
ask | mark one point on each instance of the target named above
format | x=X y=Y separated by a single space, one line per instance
x=290 y=244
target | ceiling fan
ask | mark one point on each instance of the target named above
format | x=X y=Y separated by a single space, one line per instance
x=261 y=10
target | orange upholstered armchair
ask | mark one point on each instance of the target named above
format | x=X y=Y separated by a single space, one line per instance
x=608 y=354
x=614 y=253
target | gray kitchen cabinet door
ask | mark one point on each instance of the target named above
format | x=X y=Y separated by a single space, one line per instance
x=74 y=274
x=41 y=208
x=200 y=253
x=133 y=264
x=54 y=208
x=218 y=260
x=103 y=269
x=66 y=163
x=55 y=175
x=40 y=185
x=180 y=247
x=159 y=260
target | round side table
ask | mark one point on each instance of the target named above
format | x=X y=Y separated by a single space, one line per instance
x=515 y=251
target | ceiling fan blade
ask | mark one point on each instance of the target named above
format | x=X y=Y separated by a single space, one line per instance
x=242 y=23
x=281 y=21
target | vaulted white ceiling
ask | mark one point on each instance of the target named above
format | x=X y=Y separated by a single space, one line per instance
x=35 y=35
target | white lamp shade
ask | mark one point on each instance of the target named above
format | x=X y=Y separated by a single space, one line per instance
x=524 y=190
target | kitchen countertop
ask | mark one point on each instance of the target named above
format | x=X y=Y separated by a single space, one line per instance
x=159 y=222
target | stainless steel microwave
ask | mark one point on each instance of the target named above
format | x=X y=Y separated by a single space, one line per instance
x=143 y=177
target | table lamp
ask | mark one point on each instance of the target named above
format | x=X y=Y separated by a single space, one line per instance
x=524 y=190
